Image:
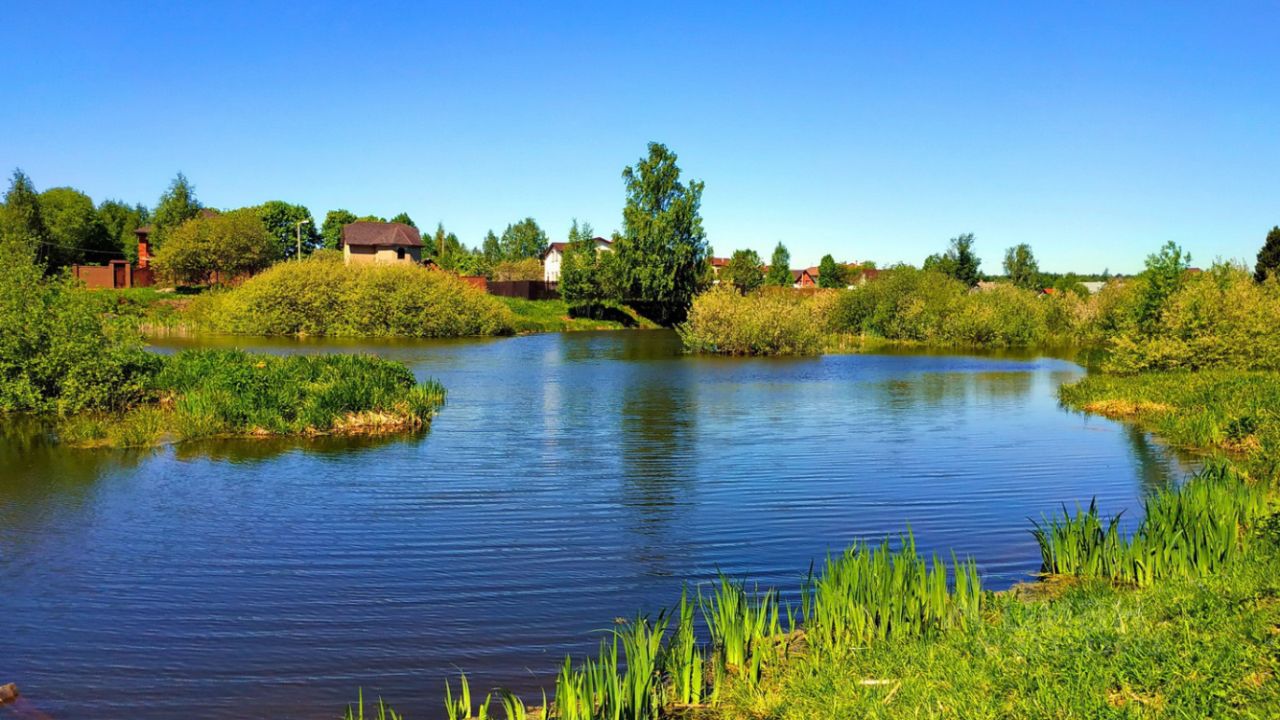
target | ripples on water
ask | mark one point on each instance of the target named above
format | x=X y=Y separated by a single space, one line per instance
x=572 y=478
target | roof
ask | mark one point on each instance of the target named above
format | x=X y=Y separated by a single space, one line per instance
x=144 y=230
x=719 y=262
x=378 y=234
x=561 y=246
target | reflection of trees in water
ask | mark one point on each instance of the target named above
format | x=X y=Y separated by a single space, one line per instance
x=931 y=389
x=1158 y=465
x=657 y=465
x=255 y=450
x=621 y=346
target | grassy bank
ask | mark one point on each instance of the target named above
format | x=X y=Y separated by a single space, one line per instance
x=1178 y=619
x=322 y=296
x=539 y=316
x=227 y=393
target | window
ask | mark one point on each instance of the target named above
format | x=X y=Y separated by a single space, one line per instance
x=399 y=253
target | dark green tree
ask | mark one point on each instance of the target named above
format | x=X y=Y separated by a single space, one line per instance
x=404 y=218
x=76 y=233
x=1268 y=256
x=120 y=220
x=522 y=240
x=743 y=270
x=664 y=246
x=281 y=220
x=491 y=248
x=779 y=267
x=331 y=230
x=583 y=283
x=958 y=261
x=1021 y=267
x=831 y=274
x=22 y=226
x=177 y=205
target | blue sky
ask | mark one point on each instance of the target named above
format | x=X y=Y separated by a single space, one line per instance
x=1094 y=132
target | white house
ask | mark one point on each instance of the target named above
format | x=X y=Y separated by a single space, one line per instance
x=554 y=255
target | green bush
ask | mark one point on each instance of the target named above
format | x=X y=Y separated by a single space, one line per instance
x=323 y=296
x=770 y=322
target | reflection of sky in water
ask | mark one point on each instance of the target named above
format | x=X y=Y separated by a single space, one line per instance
x=571 y=479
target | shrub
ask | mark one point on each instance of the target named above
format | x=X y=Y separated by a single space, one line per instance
x=229 y=244
x=322 y=296
x=772 y=322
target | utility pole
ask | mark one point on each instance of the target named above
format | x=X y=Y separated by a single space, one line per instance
x=297 y=229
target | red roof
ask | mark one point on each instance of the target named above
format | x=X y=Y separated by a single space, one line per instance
x=377 y=234
x=719 y=262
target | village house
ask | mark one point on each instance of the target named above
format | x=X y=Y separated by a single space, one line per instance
x=380 y=242
x=553 y=258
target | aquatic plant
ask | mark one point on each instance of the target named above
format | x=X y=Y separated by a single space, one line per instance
x=357 y=712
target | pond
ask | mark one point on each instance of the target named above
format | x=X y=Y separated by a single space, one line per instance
x=571 y=479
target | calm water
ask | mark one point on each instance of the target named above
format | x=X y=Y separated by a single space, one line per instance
x=571 y=479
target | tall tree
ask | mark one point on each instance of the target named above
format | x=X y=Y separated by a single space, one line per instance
x=663 y=246
x=958 y=261
x=177 y=205
x=76 y=233
x=1163 y=277
x=404 y=218
x=831 y=274
x=583 y=285
x=1269 y=256
x=331 y=230
x=744 y=270
x=120 y=220
x=491 y=248
x=281 y=220
x=523 y=240
x=779 y=267
x=1021 y=267
x=22 y=225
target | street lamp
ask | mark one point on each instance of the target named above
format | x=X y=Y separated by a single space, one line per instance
x=298 y=231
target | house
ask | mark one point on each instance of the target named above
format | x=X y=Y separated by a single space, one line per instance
x=380 y=242
x=718 y=264
x=1094 y=286
x=554 y=257
x=807 y=277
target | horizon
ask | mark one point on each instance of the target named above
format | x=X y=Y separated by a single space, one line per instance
x=1093 y=133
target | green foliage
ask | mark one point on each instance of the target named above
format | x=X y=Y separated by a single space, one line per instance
x=120 y=220
x=779 y=274
x=281 y=221
x=958 y=261
x=21 y=220
x=663 y=246
x=743 y=271
x=523 y=240
x=830 y=273
x=775 y=322
x=1021 y=267
x=76 y=232
x=1268 y=256
x=331 y=230
x=405 y=219
x=322 y=296
x=61 y=348
x=525 y=269
x=491 y=248
x=357 y=712
x=229 y=244
x=588 y=277
x=1164 y=275
x=177 y=205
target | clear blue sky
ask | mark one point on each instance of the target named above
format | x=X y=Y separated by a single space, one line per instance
x=1095 y=132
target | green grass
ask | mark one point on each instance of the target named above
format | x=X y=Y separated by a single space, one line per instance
x=540 y=316
x=213 y=393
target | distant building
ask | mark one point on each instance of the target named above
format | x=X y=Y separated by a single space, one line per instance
x=1094 y=286
x=553 y=258
x=718 y=264
x=807 y=277
x=379 y=242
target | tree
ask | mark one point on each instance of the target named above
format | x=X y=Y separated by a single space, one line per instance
x=1021 y=267
x=1268 y=256
x=743 y=270
x=523 y=240
x=331 y=230
x=120 y=220
x=958 y=261
x=663 y=246
x=22 y=227
x=404 y=218
x=779 y=267
x=177 y=205
x=491 y=248
x=830 y=273
x=229 y=244
x=76 y=233
x=281 y=220
x=586 y=274
x=1162 y=278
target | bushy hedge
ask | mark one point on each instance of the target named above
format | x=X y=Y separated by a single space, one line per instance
x=323 y=296
x=770 y=322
